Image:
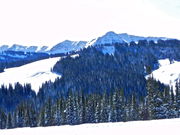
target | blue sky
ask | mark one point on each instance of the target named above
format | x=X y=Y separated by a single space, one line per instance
x=47 y=22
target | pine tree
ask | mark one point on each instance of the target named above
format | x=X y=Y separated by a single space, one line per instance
x=178 y=98
x=150 y=98
x=172 y=113
x=42 y=118
x=104 y=109
x=63 y=112
x=97 y=114
x=58 y=112
x=3 y=119
x=70 y=109
x=89 y=108
x=49 y=117
x=159 y=110
x=20 y=115
x=80 y=107
x=134 y=109
x=9 y=121
x=33 y=120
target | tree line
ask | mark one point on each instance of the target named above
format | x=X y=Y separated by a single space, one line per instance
x=78 y=108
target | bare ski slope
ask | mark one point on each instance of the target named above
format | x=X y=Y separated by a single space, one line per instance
x=34 y=73
x=156 y=127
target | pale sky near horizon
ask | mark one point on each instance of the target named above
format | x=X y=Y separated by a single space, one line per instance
x=47 y=22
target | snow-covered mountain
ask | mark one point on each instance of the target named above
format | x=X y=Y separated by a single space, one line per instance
x=22 y=48
x=67 y=46
x=113 y=38
x=155 y=127
x=34 y=73
x=63 y=47
x=109 y=38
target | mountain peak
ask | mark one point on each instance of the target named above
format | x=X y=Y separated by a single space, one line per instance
x=111 y=33
x=109 y=38
x=68 y=46
x=66 y=41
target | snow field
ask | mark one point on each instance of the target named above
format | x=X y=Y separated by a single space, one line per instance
x=155 y=127
x=34 y=73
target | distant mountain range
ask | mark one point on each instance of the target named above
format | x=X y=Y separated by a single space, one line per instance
x=69 y=46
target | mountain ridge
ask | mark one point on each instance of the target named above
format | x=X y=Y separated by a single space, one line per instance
x=67 y=46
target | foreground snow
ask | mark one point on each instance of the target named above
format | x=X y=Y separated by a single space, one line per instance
x=156 y=127
x=35 y=73
x=168 y=73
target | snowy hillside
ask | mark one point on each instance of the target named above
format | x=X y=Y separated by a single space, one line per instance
x=156 y=127
x=168 y=73
x=35 y=73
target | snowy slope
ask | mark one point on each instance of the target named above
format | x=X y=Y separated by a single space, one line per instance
x=156 y=127
x=168 y=73
x=35 y=73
